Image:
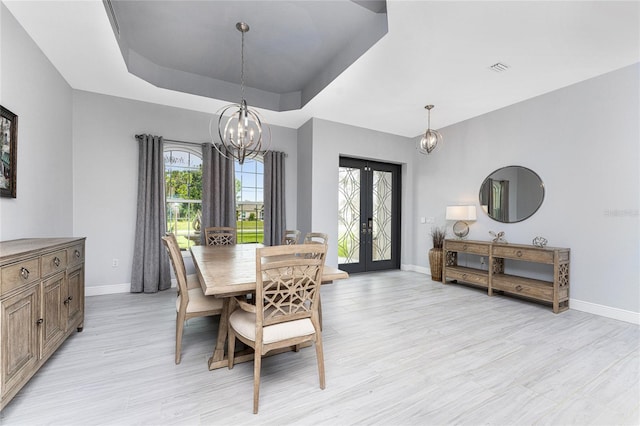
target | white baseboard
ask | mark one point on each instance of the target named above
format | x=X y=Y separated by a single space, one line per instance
x=414 y=268
x=578 y=305
x=100 y=290
x=605 y=311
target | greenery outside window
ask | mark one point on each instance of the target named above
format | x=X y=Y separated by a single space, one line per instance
x=250 y=200
x=183 y=194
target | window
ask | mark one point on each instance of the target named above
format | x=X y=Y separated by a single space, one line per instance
x=250 y=201
x=183 y=194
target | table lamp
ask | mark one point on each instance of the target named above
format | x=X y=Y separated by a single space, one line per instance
x=461 y=214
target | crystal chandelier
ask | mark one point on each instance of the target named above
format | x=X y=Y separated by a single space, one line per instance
x=241 y=133
x=430 y=138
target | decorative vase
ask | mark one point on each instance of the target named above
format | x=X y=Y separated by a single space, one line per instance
x=435 y=263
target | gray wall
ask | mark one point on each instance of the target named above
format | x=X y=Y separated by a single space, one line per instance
x=105 y=155
x=583 y=142
x=34 y=90
x=330 y=141
x=305 y=178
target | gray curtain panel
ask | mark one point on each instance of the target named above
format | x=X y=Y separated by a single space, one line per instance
x=150 y=259
x=274 y=205
x=218 y=190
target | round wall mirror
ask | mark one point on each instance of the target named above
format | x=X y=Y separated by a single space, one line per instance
x=511 y=194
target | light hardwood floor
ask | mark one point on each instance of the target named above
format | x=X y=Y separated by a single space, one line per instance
x=399 y=349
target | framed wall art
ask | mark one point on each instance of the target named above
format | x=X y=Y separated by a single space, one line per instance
x=8 y=151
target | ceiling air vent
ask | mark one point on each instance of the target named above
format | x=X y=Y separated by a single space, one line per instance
x=499 y=67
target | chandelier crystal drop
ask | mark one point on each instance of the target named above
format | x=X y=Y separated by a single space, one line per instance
x=241 y=132
x=431 y=137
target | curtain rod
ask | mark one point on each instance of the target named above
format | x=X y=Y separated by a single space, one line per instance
x=177 y=141
x=195 y=143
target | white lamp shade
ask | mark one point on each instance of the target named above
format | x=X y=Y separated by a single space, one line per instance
x=461 y=213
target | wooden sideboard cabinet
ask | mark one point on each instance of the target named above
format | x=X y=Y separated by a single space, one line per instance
x=554 y=291
x=41 y=303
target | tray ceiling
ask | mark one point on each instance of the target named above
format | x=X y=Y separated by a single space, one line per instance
x=292 y=50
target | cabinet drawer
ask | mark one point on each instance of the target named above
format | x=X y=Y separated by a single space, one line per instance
x=526 y=287
x=19 y=274
x=478 y=278
x=523 y=253
x=54 y=262
x=468 y=247
x=75 y=254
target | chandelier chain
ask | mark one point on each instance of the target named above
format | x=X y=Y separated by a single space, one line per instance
x=242 y=66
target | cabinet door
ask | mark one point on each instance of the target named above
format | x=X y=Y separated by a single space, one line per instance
x=53 y=313
x=75 y=296
x=19 y=317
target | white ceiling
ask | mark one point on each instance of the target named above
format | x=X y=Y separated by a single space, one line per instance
x=435 y=52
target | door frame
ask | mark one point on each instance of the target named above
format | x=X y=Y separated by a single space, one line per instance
x=366 y=263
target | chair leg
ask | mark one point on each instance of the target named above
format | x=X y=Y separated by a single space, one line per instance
x=257 y=361
x=179 y=331
x=231 y=347
x=320 y=356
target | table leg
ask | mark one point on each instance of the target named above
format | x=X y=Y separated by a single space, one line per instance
x=218 y=360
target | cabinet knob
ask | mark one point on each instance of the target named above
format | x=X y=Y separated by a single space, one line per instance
x=518 y=287
x=24 y=272
x=77 y=253
x=464 y=247
x=56 y=261
x=67 y=300
x=40 y=321
x=519 y=253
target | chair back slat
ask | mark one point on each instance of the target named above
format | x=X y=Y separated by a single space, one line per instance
x=290 y=237
x=288 y=282
x=171 y=243
x=316 y=237
x=220 y=236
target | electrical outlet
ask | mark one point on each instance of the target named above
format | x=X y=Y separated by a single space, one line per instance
x=115 y=263
x=482 y=262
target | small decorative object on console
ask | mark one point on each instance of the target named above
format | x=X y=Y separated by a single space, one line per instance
x=498 y=237
x=540 y=242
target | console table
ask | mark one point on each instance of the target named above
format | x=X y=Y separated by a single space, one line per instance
x=41 y=303
x=494 y=278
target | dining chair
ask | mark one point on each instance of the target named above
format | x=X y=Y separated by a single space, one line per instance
x=192 y=279
x=191 y=302
x=290 y=237
x=285 y=313
x=220 y=236
x=316 y=237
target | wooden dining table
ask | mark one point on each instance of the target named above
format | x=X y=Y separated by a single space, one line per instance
x=228 y=271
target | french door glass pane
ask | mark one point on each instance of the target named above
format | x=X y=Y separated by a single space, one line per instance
x=382 y=191
x=349 y=215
